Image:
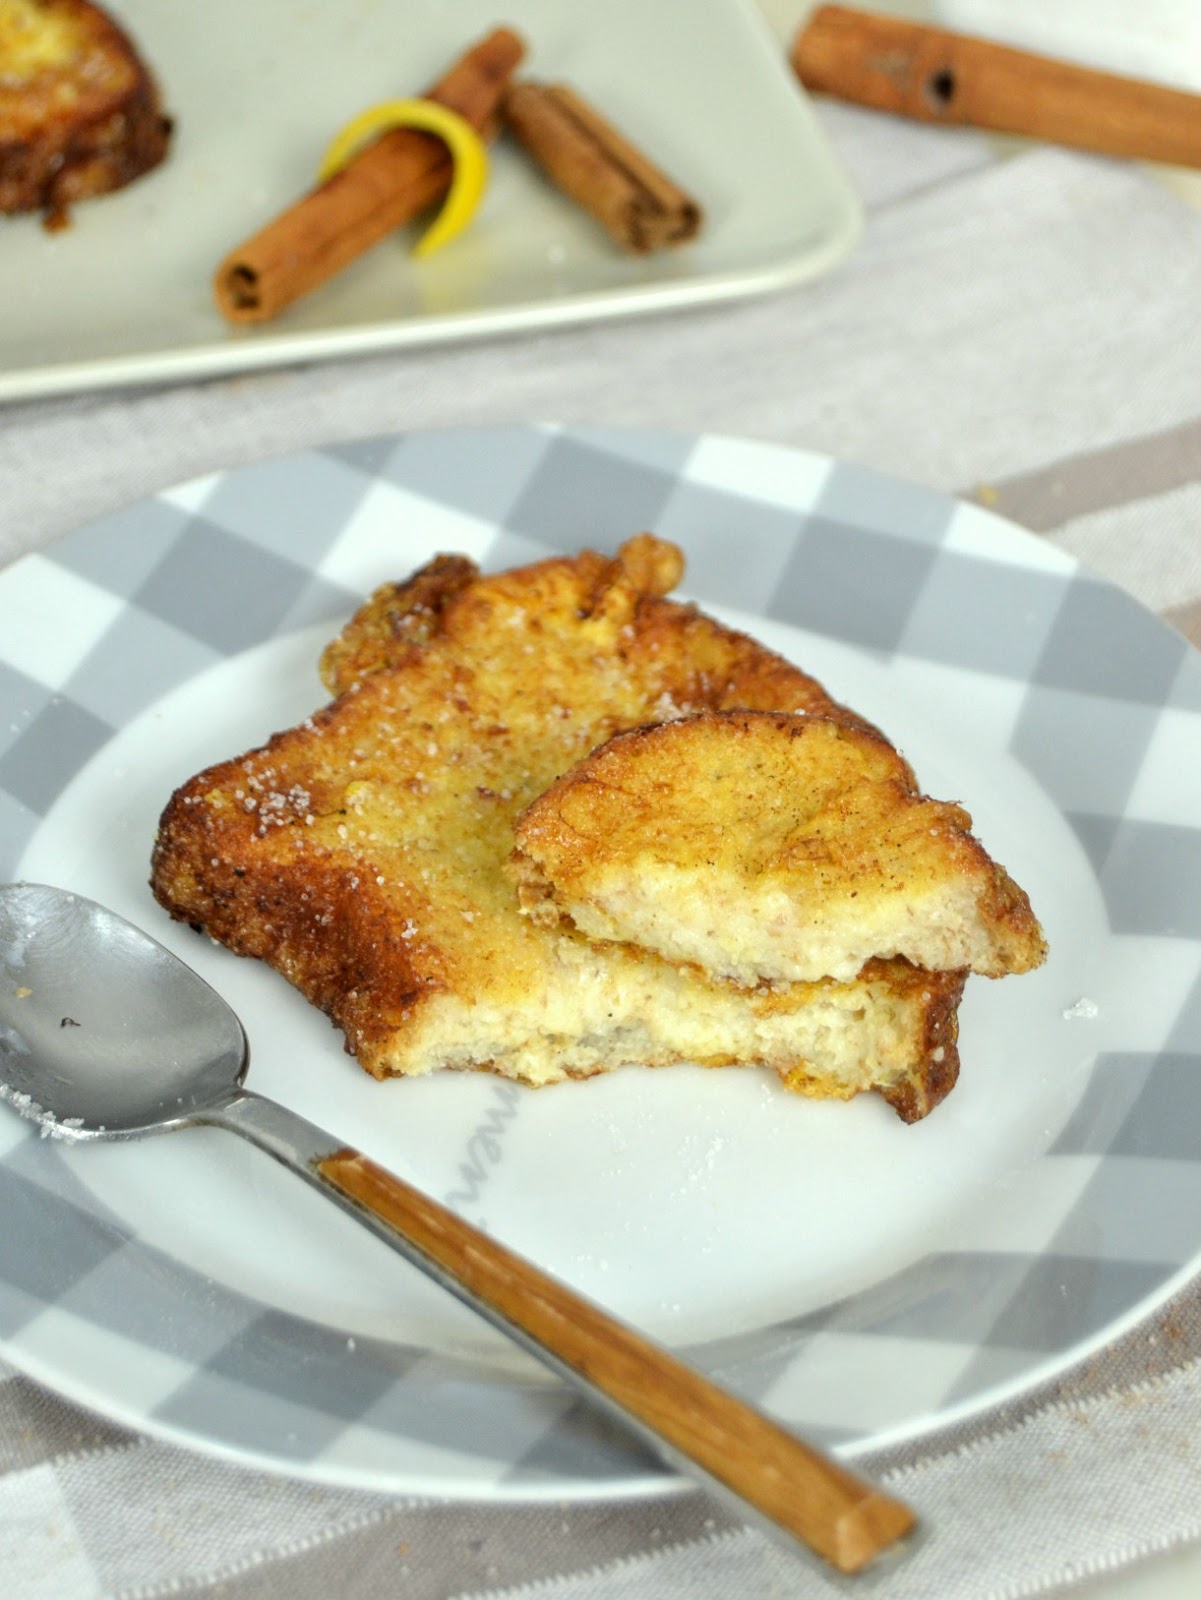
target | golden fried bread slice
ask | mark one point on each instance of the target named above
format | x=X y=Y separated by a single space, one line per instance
x=768 y=846
x=571 y=645
x=79 y=111
x=363 y=854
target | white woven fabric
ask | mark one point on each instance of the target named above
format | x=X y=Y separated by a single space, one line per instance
x=1044 y=1503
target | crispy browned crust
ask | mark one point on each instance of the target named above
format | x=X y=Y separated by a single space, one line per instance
x=936 y=1070
x=397 y=616
x=805 y=810
x=667 y=659
x=407 y=613
x=935 y=997
x=80 y=115
x=362 y=854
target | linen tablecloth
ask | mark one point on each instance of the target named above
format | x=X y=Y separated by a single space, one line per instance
x=1017 y=327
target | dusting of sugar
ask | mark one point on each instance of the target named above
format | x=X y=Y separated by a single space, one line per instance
x=1083 y=1008
x=49 y=1126
x=667 y=709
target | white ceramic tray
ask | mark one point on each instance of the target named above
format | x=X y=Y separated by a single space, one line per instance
x=123 y=296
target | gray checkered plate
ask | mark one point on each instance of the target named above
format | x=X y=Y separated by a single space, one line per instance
x=865 y=1281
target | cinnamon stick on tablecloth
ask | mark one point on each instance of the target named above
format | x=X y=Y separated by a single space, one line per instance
x=395 y=178
x=586 y=157
x=915 y=70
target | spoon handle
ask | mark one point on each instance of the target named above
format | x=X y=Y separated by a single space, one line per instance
x=689 y=1421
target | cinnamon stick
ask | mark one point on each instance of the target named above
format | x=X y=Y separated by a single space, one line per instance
x=395 y=178
x=589 y=160
x=918 y=71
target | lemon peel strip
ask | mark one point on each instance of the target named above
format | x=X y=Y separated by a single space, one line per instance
x=468 y=153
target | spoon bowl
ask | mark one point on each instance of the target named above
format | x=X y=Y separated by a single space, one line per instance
x=103 y=1030
x=105 y=1034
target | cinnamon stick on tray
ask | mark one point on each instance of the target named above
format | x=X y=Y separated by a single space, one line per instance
x=589 y=160
x=388 y=183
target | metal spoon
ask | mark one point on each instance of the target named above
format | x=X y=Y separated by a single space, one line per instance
x=104 y=1034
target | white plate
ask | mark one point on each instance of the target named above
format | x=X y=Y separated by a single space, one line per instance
x=124 y=296
x=864 y=1280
